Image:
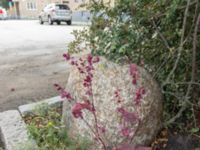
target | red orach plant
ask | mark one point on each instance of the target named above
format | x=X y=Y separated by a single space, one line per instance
x=85 y=67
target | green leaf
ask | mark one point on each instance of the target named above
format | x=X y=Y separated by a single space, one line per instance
x=194 y=130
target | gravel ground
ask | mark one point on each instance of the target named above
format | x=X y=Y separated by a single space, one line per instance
x=31 y=61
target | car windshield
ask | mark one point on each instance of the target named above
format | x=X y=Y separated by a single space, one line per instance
x=62 y=7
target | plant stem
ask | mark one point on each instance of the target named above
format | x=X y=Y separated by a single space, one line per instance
x=181 y=43
x=184 y=106
x=96 y=123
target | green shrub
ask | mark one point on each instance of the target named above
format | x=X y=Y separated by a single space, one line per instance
x=161 y=36
x=46 y=129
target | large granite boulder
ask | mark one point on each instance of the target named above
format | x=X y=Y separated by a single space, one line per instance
x=108 y=77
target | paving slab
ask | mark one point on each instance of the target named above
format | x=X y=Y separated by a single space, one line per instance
x=13 y=132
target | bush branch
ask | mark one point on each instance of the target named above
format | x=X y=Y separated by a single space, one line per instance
x=181 y=42
x=161 y=35
x=185 y=102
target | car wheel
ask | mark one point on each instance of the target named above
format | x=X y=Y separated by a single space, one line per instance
x=69 y=22
x=58 y=22
x=50 y=21
x=41 y=22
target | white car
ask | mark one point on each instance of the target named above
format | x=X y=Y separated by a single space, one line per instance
x=3 y=13
x=56 y=13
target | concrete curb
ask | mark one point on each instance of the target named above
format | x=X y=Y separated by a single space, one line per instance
x=14 y=134
x=30 y=108
x=77 y=23
x=13 y=130
x=81 y=23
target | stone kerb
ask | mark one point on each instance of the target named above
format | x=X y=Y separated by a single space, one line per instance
x=14 y=134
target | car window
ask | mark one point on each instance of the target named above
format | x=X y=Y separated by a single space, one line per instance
x=62 y=7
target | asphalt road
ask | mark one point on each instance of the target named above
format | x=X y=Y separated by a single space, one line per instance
x=31 y=61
